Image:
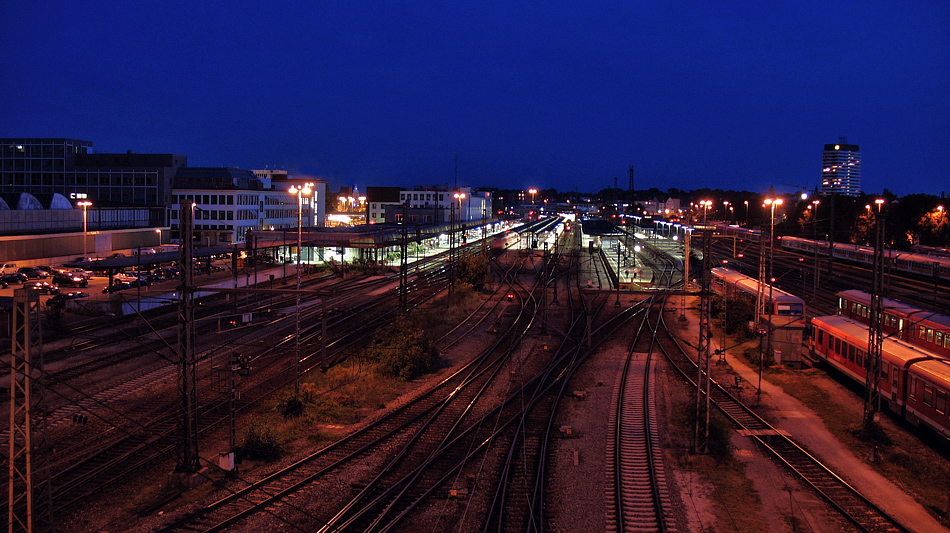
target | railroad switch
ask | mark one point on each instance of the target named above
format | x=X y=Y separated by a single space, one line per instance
x=581 y=394
x=568 y=431
x=458 y=494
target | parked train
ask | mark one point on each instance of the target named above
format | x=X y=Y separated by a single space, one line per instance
x=913 y=325
x=734 y=284
x=926 y=266
x=914 y=384
x=738 y=231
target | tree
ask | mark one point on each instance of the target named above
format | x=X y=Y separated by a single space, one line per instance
x=402 y=349
x=473 y=270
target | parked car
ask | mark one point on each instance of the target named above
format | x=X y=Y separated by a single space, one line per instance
x=7 y=268
x=72 y=279
x=33 y=272
x=48 y=269
x=14 y=277
x=115 y=287
x=42 y=287
x=58 y=302
x=73 y=295
x=117 y=255
x=126 y=277
x=77 y=271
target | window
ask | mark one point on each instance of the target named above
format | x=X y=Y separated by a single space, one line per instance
x=912 y=388
x=930 y=335
x=850 y=351
x=938 y=338
x=941 y=402
x=821 y=336
x=928 y=394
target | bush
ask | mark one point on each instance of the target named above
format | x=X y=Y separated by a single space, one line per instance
x=473 y=270
x=720 y=432
x=261 y=442
x=402 y=350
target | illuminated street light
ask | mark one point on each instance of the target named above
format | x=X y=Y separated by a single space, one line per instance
x=746 y=202
x=532 y=192
x=84 y=204
x=705 y=204
x=302 y=191
x=771 y=203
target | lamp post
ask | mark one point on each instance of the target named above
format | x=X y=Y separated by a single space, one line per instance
x=618 y=273
x=532 y=192
x=771 y=203
x=705 y=204
x=746 y=202
x=305 y=190
x=85 y=205
x=814 y=220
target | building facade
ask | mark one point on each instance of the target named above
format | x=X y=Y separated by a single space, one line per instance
x=229 y=202
x=70 y=168
x=841 y=169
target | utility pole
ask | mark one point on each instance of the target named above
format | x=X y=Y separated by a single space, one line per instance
x=701 y=434
x=404 y=261
x=26 y=378
x=187 y=462
x=760 y=307
x=875 y=331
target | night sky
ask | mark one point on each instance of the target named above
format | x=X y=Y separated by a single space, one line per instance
x=564 y=95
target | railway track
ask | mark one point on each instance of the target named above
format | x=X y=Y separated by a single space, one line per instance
x=851 y=505
x=421 y=425
x=122 y=438
x=638 y=497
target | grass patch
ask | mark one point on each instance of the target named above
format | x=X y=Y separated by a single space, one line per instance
x=737 y=503
x=902 y=457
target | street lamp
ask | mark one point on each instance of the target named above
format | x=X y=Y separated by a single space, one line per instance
x=746 y=202
x=771 y=203
x=85 y=205
x=532 y=192
x=460 y=196
x=705 y=204
x=305 y=190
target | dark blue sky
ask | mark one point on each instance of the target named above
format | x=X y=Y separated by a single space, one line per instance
x=732 y=95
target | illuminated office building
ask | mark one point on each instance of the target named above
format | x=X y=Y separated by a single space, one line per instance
x=841 y=169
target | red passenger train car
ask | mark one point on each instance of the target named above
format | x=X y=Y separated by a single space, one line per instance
x=914 y=383
x=927 y=329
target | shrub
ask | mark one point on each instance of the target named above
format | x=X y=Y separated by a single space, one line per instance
x=473 y=270
x=261 y=442
x=402 y=350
